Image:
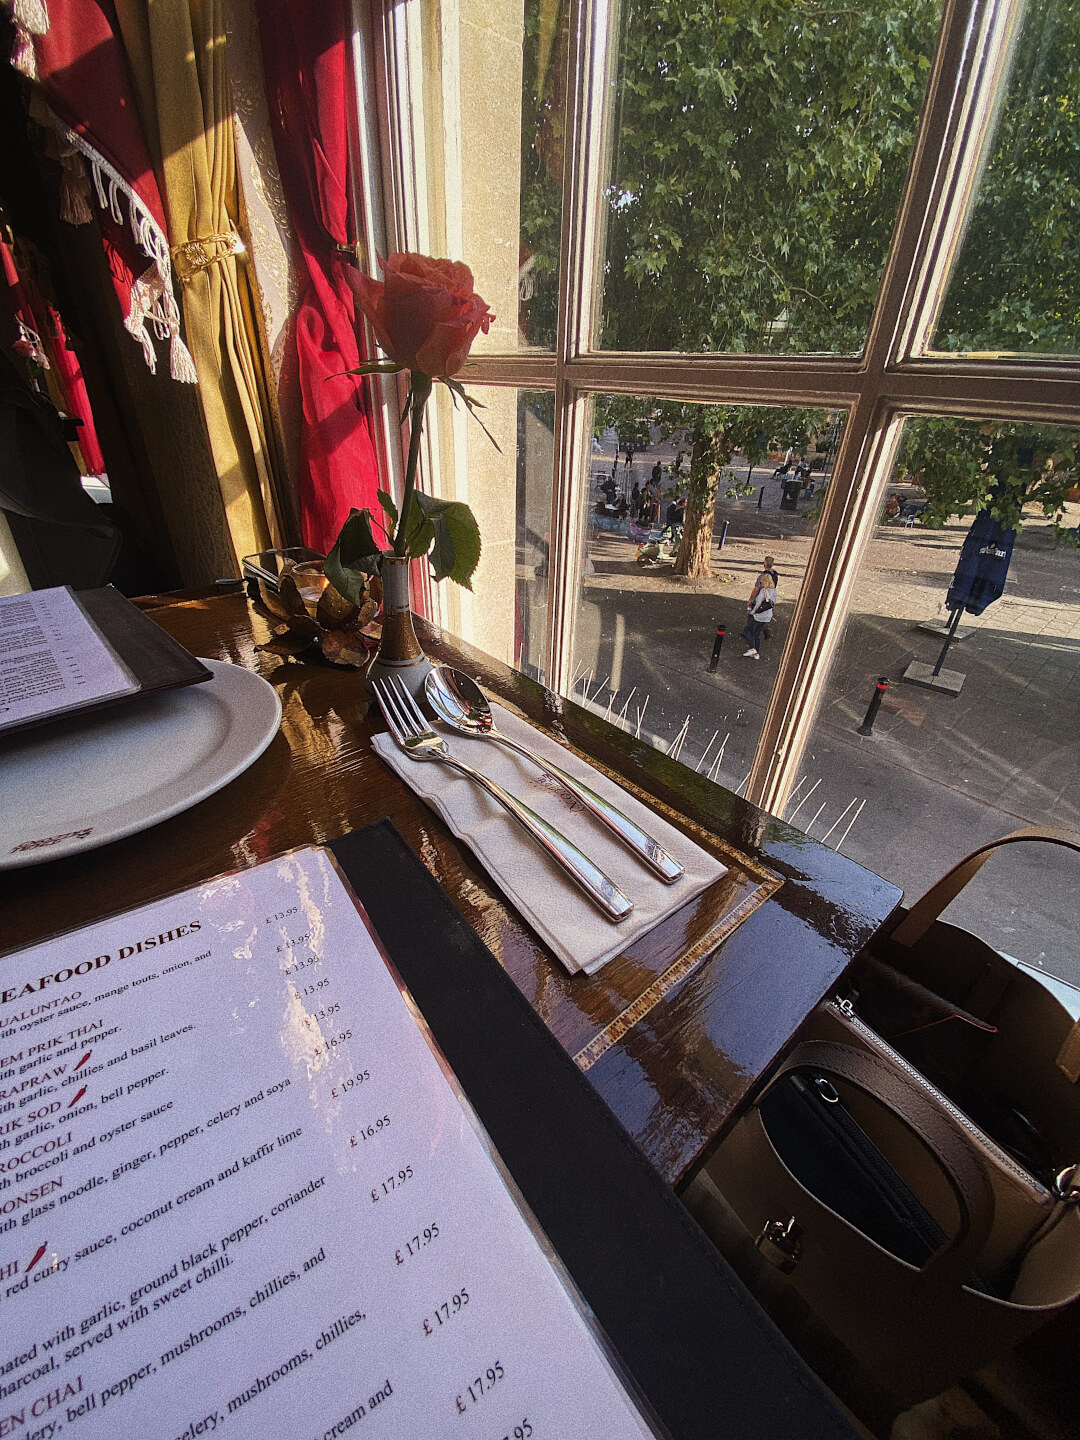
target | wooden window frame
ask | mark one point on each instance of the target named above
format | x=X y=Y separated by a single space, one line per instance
x=896 y=376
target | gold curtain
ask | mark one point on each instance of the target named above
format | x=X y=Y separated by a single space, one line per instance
x=176 y=50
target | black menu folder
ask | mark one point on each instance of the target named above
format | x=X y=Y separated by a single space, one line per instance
x=704 y=1354
x=157 y=661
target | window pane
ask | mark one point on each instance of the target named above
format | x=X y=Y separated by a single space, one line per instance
x=493 y=86
x=509 y=490
x=759 y=152
x=644 y=635
x=1014 y=286
x=944 y=771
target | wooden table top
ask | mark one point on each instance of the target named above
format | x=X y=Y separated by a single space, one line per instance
x=674 y=1034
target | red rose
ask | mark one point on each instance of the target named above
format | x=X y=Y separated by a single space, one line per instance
x=425 y=314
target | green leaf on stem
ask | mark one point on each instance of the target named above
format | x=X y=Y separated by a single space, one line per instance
x=387 y=503
x=456 y=552
x=418 y=531
x=354 y=557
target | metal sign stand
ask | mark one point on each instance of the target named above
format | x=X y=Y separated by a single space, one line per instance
x=949 y=682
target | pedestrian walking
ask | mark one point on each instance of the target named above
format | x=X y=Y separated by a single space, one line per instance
x=657 y=474
x=759 y=610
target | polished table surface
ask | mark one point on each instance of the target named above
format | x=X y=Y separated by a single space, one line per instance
x=674 y=1034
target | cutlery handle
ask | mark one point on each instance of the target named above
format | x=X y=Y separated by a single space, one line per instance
x=579 y=867
x=628 y=831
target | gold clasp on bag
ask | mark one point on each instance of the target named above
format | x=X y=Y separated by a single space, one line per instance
x=780 y=1242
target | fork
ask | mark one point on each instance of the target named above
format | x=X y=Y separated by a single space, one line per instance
x=413 y=735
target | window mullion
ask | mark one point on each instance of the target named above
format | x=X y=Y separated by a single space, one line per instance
x=955 y=114
x=405 y=97
x=369 y=145
x=853 y=501
x=968 y=86
x=592 y=27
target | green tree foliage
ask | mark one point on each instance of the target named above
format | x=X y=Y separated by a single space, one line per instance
x=760 y=152
x=544 y=51
x=965 y=466
x=707 y=436
x=760 y=149
x=1015 y=284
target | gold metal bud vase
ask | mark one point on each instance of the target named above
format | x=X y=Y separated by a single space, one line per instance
x=399 y=651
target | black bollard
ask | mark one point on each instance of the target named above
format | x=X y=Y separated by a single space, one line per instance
x=760 y=496
x=718 y=644
x=723 y=533
x=867 y=726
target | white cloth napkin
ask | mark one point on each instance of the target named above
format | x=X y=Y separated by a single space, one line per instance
x=579 y=933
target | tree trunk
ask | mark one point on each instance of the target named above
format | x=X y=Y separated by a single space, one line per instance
x=695 y=553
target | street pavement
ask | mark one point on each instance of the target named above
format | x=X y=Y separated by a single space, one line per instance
x=939 y=774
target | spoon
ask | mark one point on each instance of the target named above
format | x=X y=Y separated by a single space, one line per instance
x=460 y=703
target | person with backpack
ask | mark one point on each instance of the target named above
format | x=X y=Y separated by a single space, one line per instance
x=759 y=610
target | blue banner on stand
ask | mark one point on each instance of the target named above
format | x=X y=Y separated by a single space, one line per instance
x=982 y=567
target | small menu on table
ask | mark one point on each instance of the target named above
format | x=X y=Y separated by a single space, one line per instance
x=241 y=1193
x=53 y=659
x=62 y=653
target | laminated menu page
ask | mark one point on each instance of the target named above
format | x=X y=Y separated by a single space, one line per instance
x=241 y=1194
x=53 y=658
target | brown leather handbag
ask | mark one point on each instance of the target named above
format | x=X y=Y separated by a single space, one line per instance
x=927 y=1245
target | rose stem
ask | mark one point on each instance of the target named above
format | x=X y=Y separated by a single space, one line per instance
x=420 y=389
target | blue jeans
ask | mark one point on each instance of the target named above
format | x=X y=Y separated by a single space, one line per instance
x=753 y=634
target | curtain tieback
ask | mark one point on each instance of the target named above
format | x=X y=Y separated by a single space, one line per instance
x=194 y=256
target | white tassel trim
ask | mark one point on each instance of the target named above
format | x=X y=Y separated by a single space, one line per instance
x=31 y=15
x=30 y=18
x=182 y=367
x=152 y=299
x=23 y=55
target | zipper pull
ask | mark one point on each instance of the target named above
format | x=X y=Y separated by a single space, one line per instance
x=846 y=1008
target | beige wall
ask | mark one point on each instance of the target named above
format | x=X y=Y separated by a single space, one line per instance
x=472 y=99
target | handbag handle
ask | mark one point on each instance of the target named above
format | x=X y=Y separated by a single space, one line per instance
x=924 y=912
x=952 y=1265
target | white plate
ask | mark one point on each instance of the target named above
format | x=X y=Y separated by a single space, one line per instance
x=83 y=782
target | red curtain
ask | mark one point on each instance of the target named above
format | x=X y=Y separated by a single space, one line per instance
x=49 y=346
x=81 y=70
x=305 y=59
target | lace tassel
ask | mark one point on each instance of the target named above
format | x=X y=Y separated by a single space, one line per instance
x=99 y=184
x=181 y=365
x=142 y=334
x=31 y=15
x=23 y=56
x=74 y=206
